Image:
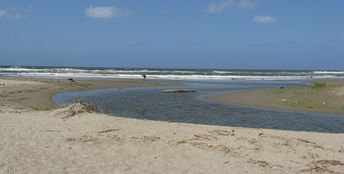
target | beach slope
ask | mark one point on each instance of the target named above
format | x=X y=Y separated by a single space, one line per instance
x=78 y=139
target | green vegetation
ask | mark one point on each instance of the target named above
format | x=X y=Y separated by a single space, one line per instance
x=319 y=96
x=43 y=107
x=319 y=85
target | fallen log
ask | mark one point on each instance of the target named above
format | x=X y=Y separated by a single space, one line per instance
x=178 y=91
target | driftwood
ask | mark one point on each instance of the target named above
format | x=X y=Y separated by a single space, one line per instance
x=178 y=91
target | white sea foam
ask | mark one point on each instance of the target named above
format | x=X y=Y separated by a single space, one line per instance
x=167 y=74
x=162 y=77
x=328 y=72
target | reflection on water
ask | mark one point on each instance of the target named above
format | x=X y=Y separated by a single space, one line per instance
x=150 y=103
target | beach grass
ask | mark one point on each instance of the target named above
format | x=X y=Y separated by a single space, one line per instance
x=325 y=96
x=318 y=96
x=319 y=85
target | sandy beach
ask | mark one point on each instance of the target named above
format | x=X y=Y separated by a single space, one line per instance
x=321 y=96
x=36 y=93
x=38 y=137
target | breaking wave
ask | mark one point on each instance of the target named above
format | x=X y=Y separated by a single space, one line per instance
x=165 y=74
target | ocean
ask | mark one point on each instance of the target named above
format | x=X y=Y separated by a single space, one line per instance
x=166 y=73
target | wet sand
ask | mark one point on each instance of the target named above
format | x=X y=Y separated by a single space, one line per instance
x=324 y=96
x=74 y=139
x=36 y=93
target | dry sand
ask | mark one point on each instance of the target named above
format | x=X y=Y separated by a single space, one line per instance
x=72 y=140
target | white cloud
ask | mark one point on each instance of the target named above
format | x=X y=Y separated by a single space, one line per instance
x=264 y=19
x=15 y=13
x=222 y=6
x=106 y=12
x=218 y=7
x=246 y=4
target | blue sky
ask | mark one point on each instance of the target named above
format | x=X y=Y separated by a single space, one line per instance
x=263 y=34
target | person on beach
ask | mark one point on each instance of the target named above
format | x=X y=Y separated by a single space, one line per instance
x=144 y=76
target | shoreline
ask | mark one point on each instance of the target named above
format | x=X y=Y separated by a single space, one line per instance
x=322 y=96
x=76 y=139
x=37 y=94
